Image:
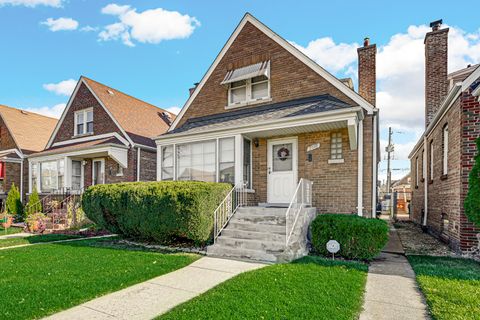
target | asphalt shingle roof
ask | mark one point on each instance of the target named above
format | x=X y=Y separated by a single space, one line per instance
x=275 y=111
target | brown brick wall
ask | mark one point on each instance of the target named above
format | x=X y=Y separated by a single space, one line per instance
x=290 y=78
x=102 y=123
x=436 y=83
x=334 y=185
x=148 y=165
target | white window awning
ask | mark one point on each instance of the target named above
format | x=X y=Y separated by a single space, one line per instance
x=251 y=71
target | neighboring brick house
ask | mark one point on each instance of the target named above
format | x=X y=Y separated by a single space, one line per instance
x=103 y=136
x=266 y=115
x=21 y=133
x=442 y=159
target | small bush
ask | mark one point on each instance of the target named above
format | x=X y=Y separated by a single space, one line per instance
x=359 y=238
x=159 y=211
x=472 y=201
x=36 y=222
x=14 y=203
x=34 y=205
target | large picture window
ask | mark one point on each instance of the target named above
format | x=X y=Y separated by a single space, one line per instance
x=197 y=161
x=167 y=163
x=52 y=175
x=83 y=122
x=227 y=160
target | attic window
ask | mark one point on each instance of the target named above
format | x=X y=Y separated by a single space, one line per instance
x=83 y=122
x=248 y=84
x=23 y=112
x=110 y=92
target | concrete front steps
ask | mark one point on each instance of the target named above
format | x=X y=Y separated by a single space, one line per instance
x=253 y=233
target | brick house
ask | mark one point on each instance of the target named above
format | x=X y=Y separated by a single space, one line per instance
x=265 y=115
x=103 y=136
x=442 y=158
x=21 y=134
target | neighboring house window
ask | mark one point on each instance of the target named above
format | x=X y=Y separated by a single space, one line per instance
x=431 y=160
x=34 y=176
x=247 y=162
x=197 y=161
x=445 y=149
x=76 y=174
x=416 y=172
x=84 y=122
x=167 y=163
x=336 y=146
x=226 y=160
x=52 y=175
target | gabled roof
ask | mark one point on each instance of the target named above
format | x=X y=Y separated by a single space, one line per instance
x=287 y=46
x=29 y=130
x=276 y=111
x=138 y=120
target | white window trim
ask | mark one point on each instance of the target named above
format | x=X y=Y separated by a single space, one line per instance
x=102 y=168
x=445 y=150
x=82 y=173
x=248 y=95
x=85 y=112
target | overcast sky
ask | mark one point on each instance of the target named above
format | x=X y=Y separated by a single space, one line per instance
x=156 y=50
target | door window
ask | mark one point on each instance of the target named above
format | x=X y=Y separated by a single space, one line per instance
x=282 y=157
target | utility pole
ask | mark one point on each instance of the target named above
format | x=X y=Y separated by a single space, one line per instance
x=389 y=149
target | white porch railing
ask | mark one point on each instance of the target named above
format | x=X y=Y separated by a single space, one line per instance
x=236 y=197
x=302 y=198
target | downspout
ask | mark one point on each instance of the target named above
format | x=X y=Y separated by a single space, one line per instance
x=360 y=170
x=21 y=180
x=138 y=164
x=374 y=166
x=425 y=183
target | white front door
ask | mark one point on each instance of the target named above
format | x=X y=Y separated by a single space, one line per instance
x=282 y=157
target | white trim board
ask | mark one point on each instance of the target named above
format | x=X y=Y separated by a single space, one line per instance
x=286 y=45
x=92 y=138
x=70 y=101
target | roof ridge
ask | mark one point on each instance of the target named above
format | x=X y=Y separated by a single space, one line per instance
x=28 y=112
x=128 y=95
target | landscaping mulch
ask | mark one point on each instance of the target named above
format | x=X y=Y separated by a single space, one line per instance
x=417 y=242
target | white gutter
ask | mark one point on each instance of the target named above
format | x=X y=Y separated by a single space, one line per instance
x=21 y=181
x=360 y=170
x=374 y=166
x=425 y=182
x=138 y=163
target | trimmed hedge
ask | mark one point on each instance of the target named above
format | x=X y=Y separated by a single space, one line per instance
x=472 y=201
x=359 y=238
x=159 y=211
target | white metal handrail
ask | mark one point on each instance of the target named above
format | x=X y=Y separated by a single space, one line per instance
x=236 y=197
x=302 y=198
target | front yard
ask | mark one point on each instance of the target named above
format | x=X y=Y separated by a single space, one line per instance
x=40 y=280
x=311 y=288
x=450 y=285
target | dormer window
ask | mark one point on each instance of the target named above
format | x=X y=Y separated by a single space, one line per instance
x=83 y=122
x=248 y=85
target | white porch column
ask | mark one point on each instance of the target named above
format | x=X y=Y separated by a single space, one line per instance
x=360 y=169
x=238 y=159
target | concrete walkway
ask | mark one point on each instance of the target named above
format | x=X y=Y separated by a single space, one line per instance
x=392 y=292
x=15 y=235
x=156 y=296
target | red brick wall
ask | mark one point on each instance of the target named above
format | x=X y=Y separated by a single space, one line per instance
x=290 y=78
x=102 y=123
x=367 y=77
x=148 y=165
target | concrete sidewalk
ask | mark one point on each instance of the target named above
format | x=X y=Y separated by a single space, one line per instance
x=392 y=292
x=15 y=235
x=156 y=296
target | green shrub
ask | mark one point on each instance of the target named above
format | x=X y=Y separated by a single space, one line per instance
x=472 y=201
x=34 y=205
x=14 y=203
x=159 y=211
x=359 y=238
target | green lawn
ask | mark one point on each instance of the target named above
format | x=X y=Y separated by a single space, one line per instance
x=450 y=285
x=36 y=239
x=10 y=230
x=37 y=281
x=311 y=288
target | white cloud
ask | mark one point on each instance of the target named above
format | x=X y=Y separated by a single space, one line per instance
x=89 y=29
x=60 y=24
x=333 y=57
x=54 y=111
x=64 y=88
x=149 y=26
x=32 y=3
x=175 y=110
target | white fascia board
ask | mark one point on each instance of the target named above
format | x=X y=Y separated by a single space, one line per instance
x=352 y=133
x=142 y=146
x=451 y=97
x=325 y=117
x=70 y=101
x=16 y=151
x=287 y=46
x=92 y=138
x=79 y=153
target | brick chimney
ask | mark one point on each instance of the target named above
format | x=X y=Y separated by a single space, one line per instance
x=191 y=90
x=367 y=75
x=436 y=61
